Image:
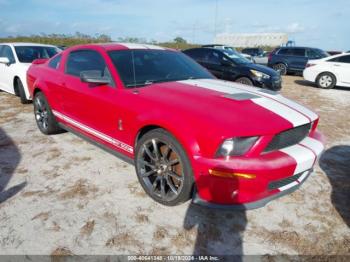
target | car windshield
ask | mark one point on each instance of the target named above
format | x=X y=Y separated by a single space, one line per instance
x=236 y=57
x=27 y=54
x=141 y=67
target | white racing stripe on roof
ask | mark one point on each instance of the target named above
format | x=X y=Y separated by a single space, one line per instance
x=307 y=112
x=304 y=157
x=283 y=111
x=140 y=46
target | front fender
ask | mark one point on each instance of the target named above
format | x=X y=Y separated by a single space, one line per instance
x=180 y=130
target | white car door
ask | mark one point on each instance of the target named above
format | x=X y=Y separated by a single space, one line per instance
x=343 y=69
x=7 y=70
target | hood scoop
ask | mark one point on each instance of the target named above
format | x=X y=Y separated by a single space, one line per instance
x=241 y=96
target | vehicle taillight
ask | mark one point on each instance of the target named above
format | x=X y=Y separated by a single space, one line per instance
x=309 y=65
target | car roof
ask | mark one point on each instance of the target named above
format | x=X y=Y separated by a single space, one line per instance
x=297 y=47
x=120 y=46
x=25 y=44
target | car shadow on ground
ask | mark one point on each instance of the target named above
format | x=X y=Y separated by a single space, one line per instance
x=9 y=159
x=335 y=162
x=218 y=231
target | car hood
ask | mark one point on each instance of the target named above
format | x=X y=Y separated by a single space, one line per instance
x=228 y=107
x=262 y=68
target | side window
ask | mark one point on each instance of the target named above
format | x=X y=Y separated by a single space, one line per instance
x=313 y=54
x=85 y=60
x=6 y=51
x=55 y=62
x=196 y=54
x=344 y=59
x=214 y=58
x=284 y=51
x=298 y=52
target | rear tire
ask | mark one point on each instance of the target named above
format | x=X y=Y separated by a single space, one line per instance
x=44 y=117
x=326 y=81
x=281 y=68
x=21 y=92
x=163 y=168
x=244 y=81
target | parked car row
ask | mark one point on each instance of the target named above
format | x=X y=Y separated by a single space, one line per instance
x=229 y=65
x=188 y=134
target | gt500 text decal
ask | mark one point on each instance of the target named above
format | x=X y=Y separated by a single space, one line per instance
x=94 y=132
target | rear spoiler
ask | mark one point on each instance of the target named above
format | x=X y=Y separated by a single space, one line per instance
x=39 y=61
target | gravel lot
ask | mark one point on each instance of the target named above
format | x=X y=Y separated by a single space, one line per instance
x=62 y=195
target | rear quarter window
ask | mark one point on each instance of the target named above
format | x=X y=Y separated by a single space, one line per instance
x=55 y=62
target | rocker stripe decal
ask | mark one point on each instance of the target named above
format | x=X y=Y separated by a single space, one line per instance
x=94 y=132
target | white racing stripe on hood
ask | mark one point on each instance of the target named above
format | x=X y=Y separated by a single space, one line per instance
x=283 y=111
x=291 y=115
x=212 y=86
x=305 y=111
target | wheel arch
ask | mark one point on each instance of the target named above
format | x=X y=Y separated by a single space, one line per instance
x=327 y=72
x=188 y=141
x=15 y=86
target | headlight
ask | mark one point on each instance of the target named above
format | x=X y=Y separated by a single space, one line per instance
x=259 y=74
x=236 y=146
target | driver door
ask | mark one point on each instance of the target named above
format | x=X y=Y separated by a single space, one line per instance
x=89 y=107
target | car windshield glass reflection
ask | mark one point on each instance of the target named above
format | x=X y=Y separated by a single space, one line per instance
x=142 y=67
x=236 y=57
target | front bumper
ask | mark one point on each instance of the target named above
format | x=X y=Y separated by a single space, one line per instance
x=255 y=204
x=273 y=172
x=274 y=83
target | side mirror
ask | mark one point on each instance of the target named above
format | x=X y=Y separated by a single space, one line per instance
x=94 y=77
x=5 y=60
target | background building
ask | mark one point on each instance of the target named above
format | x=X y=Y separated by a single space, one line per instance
x=252 y=40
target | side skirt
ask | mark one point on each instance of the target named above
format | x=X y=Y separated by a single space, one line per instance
x=126 y=159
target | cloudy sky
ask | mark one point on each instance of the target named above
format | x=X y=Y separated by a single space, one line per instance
x=320 y=23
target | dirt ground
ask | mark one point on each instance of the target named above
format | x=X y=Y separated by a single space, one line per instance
x=61 y=195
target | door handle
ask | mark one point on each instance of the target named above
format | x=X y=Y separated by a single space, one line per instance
x=336 y=65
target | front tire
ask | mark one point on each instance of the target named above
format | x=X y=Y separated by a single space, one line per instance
x=281 y=68
x=326 y=80
x=163 y=168
x=244 y=81
x=21 y=92
x=44 y=117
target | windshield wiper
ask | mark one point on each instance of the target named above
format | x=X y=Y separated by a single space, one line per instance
x=146 y=83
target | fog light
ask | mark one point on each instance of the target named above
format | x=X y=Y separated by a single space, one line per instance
x=230 y=174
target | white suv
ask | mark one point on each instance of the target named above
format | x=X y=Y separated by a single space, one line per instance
x=15 y=59
x=329 y=72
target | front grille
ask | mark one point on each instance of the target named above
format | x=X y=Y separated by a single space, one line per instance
x=288 y=138
x=283 y=182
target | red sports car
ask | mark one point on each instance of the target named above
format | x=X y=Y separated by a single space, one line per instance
x=188 y=134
